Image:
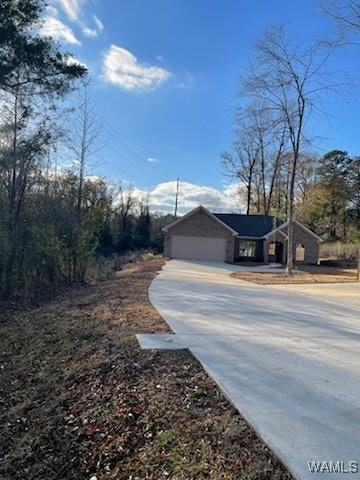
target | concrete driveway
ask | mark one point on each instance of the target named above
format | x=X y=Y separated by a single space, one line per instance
x=346 y=294
x=289 y=362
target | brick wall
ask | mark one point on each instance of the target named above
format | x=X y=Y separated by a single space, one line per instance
x=274 y=237
x=200 y=224
x=301 y=236
x=310 y=243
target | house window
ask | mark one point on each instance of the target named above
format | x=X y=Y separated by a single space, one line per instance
x=272 y=247
x=300 y=253
x=247 y=248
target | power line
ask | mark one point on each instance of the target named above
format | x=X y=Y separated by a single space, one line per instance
x=143 y=159
x=129 y=175
x=124 y=157
x=176 y=197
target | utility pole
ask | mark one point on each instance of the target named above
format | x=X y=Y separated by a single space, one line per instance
x=176 y=197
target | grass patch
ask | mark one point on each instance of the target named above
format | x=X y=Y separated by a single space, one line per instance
x=80 y=399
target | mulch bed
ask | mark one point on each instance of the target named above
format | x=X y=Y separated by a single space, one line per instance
x=80 y=400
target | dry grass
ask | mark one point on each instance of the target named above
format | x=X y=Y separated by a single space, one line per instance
x=307 y=274
x=338 y=251
x=79 y=398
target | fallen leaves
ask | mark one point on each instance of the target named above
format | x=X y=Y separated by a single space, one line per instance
x=81 y=401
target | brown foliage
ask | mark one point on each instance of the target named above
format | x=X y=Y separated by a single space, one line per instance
x=79 y=397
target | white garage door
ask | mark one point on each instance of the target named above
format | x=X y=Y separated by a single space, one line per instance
x=198 y=248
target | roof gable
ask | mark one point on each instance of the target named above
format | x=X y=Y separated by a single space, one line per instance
x=251 y=226
x=296 y=222
x=195 y=210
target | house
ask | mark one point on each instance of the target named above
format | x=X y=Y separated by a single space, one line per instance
x=231 y=237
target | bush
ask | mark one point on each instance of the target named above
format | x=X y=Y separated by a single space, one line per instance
x=339 y=251
x=104 y=268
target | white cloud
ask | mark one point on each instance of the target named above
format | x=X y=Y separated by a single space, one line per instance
x=93 y=32
x=75 y=12
x=54 y=28
x=89 y=32
x=191 y=195
x=152 y=160
x=72 y=8
x=71 y=60
x=98 y=23
x=51 y=11
x=121 y=68
x=186 y=80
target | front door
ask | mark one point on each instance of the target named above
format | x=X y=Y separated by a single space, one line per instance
x=279 y=249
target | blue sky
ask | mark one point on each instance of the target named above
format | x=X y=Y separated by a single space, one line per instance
x=165 y=75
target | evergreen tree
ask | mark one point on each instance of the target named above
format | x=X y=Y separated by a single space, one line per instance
x=143 y=228
x=333 y=175
x=28 y=60
x=33 y=74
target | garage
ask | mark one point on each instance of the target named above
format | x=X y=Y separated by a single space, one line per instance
x=198 y=248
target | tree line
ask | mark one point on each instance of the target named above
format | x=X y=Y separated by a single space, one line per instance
x=53 y=223
x=326 y=193
x=286 y=83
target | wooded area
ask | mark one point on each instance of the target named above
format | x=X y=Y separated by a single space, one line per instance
x=272 y=154
x=53 y=222
x=81 y=398
x=327 y=191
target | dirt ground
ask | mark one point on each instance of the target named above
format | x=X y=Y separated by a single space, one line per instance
x=306 y=274
x=80 y=400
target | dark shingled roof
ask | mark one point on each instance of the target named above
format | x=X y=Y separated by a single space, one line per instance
x=249 y=225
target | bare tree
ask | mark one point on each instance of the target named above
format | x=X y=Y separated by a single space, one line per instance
x=269 y=137
x=255 y=156
x=288 y=81
x=306 y=174
x=240 y=163
x=275 y=165
x=82 y=140
x=23 y=145
x=125 y=205
x=346 y=13
x=82 y=137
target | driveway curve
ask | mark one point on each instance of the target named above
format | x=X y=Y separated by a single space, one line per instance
x=289 y=362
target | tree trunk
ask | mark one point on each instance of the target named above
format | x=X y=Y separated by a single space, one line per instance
x=290 y=246
x=13 y=212
x=249 y=193
x=248 y=200
x=263 y=182
x=290 y=250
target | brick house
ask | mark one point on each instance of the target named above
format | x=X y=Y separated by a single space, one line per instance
x=231 y=237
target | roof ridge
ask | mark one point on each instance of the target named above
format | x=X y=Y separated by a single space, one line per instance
x=245 y=214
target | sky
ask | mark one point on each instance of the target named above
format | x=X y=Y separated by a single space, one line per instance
x=165 y=75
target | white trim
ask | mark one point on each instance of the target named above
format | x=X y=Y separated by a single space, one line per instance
x=277 y=229
x=195 y=210
x=244 y=237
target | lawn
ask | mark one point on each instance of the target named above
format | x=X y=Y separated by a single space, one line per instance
x=80 y=400
x=306 y=274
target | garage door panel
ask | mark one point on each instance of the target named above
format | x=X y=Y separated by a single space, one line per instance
x=198 y=248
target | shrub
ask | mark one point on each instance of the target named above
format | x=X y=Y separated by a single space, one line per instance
x=339 y=251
